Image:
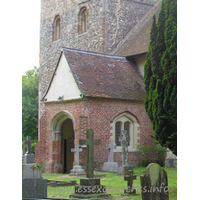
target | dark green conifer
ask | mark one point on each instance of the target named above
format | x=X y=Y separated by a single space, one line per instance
x=160 y=75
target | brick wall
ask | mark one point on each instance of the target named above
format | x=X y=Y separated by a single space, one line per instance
x=95 y=113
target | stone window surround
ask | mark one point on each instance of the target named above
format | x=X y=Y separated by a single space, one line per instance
x=82 y=21
x=134 y=131
x=55 y=37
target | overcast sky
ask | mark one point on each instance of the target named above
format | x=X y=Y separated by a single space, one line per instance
x=31 y=36
x=21 y=22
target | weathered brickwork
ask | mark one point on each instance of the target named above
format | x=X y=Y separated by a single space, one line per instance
x=95 y=113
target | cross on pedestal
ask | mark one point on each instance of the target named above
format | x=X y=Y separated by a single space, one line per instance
x=28 y=141
x=90 y=142
x=124 y=138
x=76 y=150
x=110 y=146
x=130 y=177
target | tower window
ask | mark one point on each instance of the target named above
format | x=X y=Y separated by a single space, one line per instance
x=83 y=18
x=56 y=28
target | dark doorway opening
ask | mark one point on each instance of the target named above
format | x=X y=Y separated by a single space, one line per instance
x=67 y=145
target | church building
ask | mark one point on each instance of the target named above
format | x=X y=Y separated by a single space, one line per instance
x=92 y=56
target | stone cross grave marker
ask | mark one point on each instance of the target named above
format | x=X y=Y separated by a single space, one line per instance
x=76 y=150
x=28 y=141
x=110 y=146
x=154 y=183
x=90 y=142
x=29 y=157
x=124 y=142
x=130 y=177
x=110 y=166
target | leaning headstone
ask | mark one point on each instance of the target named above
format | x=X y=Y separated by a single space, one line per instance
x=33 y=185
x=154 y=183
x=170 y=160
x=77 y=169
x=124 y=138
x=29 y=157
x=110 y=166
x=129 y=178
x=89 y=186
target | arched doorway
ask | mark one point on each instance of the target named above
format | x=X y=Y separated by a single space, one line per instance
x=62 y=127
x=67 y=144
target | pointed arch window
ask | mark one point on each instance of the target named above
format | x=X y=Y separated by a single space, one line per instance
x=128 y=122
x=56 y=28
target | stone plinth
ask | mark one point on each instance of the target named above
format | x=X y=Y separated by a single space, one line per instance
x=77 y=171
x=171 y=160
x=55 y=183
x=90 y=187
x=34 y=188
x=27 y=172
x=110 y=166
x=29 y=158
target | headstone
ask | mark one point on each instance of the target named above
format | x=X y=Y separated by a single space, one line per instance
x=90 y=186
x=77 y=169
x=154 y=183
x=124 y=138
x=29 y=157
x=129 y=178
x=33 y=185
x=110 y=166
x=170 y=160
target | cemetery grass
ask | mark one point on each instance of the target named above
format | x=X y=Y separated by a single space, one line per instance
x=113 y=183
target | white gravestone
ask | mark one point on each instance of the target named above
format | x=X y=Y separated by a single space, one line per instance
x=77 y=169
x=110 y=166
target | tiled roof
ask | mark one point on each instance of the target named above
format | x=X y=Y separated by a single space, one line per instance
x=101 y=75
x=137 y=40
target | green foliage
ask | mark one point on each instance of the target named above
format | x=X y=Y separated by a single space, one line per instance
x=148 y=152
x=30 y=103
x=33 y=146
x=38 y=166
x=160 y=76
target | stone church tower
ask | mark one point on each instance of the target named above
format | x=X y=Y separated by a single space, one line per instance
x=87 y=25
x=107 y=22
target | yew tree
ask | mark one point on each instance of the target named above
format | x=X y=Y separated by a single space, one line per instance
x=160 y=75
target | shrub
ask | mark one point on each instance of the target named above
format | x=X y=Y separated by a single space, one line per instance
x=33 y=146
x=152 y=153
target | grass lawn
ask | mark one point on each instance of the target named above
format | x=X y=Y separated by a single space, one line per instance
x=113 y=183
